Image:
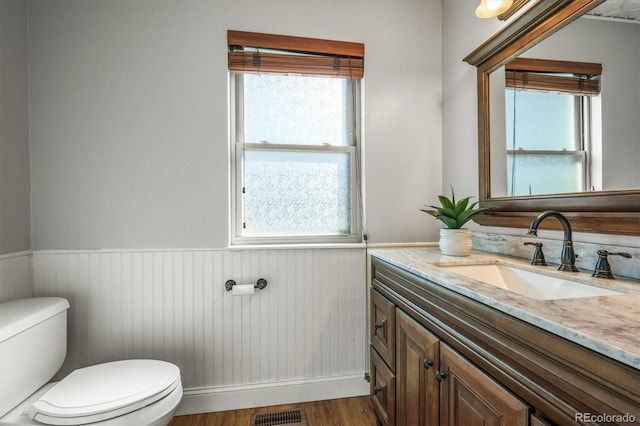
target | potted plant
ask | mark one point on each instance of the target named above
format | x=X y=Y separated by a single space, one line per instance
x=454 y=240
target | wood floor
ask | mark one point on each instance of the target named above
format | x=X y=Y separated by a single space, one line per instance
x=336 y=412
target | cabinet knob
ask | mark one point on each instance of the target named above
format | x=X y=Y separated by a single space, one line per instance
x=441 y=375
x=376 y=390
x=379 y=325
x=427 y=363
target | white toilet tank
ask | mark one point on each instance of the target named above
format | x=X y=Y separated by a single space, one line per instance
x=33 y=345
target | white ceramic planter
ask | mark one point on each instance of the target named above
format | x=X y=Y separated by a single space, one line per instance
x=455 y=242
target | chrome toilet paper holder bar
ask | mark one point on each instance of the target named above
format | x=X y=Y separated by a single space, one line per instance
x=260 y=284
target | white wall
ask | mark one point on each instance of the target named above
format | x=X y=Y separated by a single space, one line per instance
x=462 y=32
x=15 y=207
x=304 y=333
x=15 y=276
x=15 y=216
x=129 y=115
x=129 y=152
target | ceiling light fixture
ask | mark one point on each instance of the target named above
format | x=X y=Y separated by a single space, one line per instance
x=491 y=8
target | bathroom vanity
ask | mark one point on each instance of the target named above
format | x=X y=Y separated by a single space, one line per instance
x=449 y=349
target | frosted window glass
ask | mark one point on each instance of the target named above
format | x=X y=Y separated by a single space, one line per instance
x=300 y=110
x=544 y=174
x=297 y=193
x=543 y=121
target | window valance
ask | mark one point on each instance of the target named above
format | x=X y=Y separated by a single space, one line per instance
x=579 y=78
x=257 y=52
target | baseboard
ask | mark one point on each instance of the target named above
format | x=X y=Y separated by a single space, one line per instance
x=223 y=398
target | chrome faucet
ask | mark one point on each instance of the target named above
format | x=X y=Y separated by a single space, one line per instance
x=568 y=256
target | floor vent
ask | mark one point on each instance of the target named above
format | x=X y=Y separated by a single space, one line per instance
x=287 y=417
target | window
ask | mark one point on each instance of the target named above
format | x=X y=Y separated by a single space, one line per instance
x=295 y=132
x=549 y=125
x=547 y=152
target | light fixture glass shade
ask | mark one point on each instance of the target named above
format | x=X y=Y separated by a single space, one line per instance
x=491 y=8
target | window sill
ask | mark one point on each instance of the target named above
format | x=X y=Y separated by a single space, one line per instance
x=300 y=246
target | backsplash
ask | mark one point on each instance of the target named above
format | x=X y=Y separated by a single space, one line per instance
x=587 y=253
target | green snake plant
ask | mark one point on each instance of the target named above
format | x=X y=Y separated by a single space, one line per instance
x=454 y=213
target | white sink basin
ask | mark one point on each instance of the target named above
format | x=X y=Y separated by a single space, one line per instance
x=527 y=283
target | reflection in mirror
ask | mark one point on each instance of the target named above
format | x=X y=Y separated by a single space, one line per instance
x=551 y=157
x=553 y=128
x=553 y=30
x=547 y=139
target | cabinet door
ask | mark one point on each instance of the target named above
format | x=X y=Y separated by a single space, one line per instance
x=535 y=421
x=471 y=398
x=383 y=328
x=383 y=390
x=416 y=363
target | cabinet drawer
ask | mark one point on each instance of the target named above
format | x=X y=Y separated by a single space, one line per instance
x=383 y=328
x=383 y=390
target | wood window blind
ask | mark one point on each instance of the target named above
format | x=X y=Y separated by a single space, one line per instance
x=579 y=78
x=270 y=53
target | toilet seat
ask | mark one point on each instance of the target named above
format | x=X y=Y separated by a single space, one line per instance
x=105 y=391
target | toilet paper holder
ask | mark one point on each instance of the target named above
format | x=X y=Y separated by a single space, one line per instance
x=260 y=284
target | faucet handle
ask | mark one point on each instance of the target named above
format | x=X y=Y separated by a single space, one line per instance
x=538 y=256
x=603 y=269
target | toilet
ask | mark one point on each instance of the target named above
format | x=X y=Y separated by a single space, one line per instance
x=33 y=344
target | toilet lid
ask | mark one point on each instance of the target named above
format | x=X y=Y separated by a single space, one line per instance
x=104 y=391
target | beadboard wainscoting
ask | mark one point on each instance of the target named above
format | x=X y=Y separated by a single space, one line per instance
x=15 y=276
x=301 y=338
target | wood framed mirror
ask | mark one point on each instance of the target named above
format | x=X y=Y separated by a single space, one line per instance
x=608 y=211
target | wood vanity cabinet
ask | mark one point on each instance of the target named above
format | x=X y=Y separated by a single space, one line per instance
x=441 y=358
x=432 y=384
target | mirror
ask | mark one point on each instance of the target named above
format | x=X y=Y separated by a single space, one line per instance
x=603 y=195
x=596 y=137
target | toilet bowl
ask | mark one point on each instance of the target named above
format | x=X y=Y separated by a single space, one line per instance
x=134 y=392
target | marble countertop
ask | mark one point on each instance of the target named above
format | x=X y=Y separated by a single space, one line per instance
x=609 y=325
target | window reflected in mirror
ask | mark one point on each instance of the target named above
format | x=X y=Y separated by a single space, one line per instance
x=553 y=125
x=549 y=142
